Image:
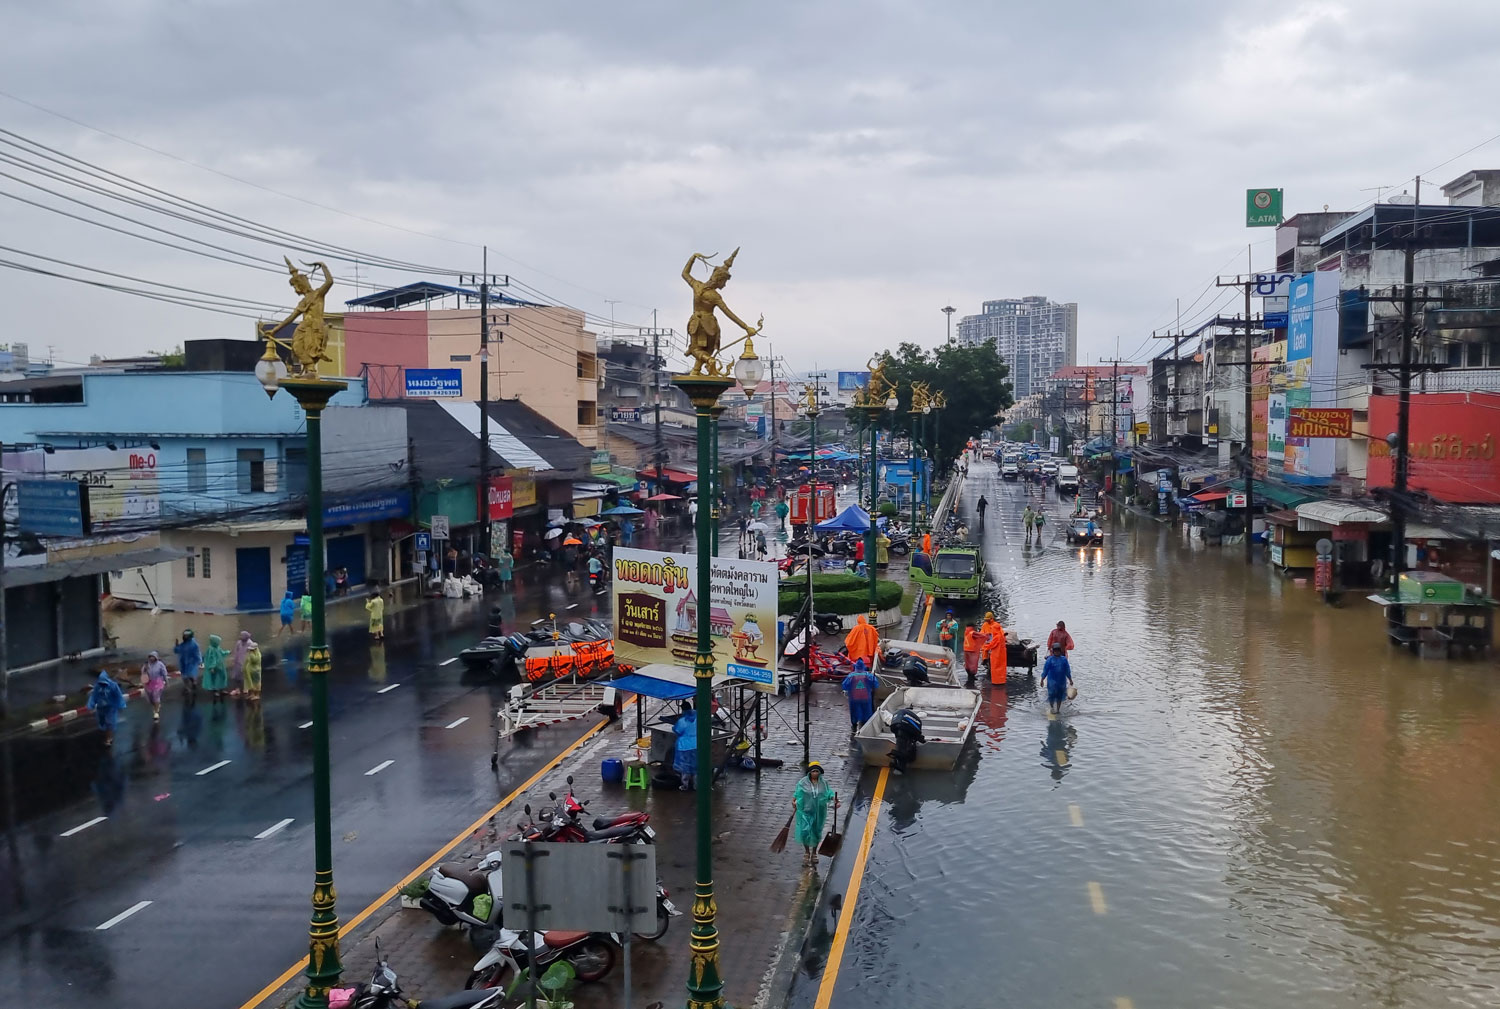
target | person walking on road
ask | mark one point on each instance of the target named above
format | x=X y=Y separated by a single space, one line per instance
x=287 y=611
x=215 y=674
x=1028 y=518
x=250 y=669
x=972 y=648
x=810 y=808
x=106 y=701
x=948 y=635
x=1039 y=520
x=685 y=761
x=862 y=642
x=505 y=564
x=994 y=648
x=154 y=679
x=1060 y=634
x=1057 y=674
x=860 y=686
x=375 y=607
x=189 y=659
x=927 y=543
x=304 y=611
x=237 y=662
x=983 y=504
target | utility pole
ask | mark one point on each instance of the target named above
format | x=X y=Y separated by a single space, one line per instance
x=485 y=280
x=1248 y=458
x=771 y=352
x=1403 y=412
x=656 y=367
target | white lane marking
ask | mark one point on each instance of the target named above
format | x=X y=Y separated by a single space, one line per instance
x=84 y=826
x=456 y=722
x=387 y=690
x=1121 y=1002
x=448 y=662
x=572 y=606
x=122 y=916
x=379 y=767
x=274 y=828
x=1075 y=814
x=212 y=767
x=1096 y=897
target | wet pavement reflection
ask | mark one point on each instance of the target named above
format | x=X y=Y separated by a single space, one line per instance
x=1253 y=801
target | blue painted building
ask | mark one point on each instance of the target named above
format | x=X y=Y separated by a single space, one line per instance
x=203 y=466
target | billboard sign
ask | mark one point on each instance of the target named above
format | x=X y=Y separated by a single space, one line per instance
x=1453 y=451
x=500 y=503
x=1262 y=208
x=434 y=383
x=369 y=508
x=1320 y=422
x=853 y=381
x=123 y=491
x=657 y=613
x=622 y=414
x=1312 y=351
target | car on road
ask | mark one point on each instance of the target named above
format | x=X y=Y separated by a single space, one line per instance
x=1049 y=470
x=1067 y=479
x=1085 y=531
x=1010 y=471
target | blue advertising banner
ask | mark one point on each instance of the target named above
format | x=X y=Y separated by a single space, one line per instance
x=852 y=381
x=434 y=383
x=394 y=504
x=53 y=507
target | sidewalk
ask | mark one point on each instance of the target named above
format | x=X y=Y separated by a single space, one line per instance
x=763 y=898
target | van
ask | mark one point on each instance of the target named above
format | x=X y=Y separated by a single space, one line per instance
x=1067 y=479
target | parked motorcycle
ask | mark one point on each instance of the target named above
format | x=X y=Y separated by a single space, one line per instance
x=592 y=955
x=383 y=991
x=459 y=896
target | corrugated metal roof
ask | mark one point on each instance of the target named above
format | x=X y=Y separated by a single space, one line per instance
x=1313 y=516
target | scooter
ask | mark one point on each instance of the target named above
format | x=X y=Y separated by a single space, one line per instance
x=453 y=892
x=383 y=991
x=592 y=955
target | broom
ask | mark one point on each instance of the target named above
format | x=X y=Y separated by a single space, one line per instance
x=779 y=844
x=835 y=838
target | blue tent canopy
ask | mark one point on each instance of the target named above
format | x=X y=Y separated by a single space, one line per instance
x=853 y=519
x=622 y=509
x=650 y=686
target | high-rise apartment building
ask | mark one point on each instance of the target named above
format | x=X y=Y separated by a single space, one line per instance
x=1036 y=337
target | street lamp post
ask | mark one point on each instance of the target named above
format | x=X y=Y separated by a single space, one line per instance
x=313 y=394
x=715 y=412
x=873 y=407
x=927 y=465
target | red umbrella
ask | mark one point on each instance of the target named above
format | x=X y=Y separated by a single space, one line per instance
x=664 y=497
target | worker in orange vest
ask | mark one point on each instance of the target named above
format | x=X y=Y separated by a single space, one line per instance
x=927 y=543
x=972 y=644
x=862 y=642
x=993 y=634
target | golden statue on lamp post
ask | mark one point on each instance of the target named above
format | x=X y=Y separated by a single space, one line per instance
x=703 y=325
x=310 y=339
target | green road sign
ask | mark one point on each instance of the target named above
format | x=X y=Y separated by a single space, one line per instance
x=1262 y=208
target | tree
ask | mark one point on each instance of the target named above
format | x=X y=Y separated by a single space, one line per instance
x=173 y=358
x=973 y=378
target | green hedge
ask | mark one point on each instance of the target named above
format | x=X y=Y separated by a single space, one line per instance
x=845 y=602
x=825 y=583
x=888 y=509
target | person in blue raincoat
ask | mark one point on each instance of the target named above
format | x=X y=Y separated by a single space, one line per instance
x=810 y=806
x=1057 y=674
x=106 y=701
x=860 y=686
x=189 y=659
x=685 y=763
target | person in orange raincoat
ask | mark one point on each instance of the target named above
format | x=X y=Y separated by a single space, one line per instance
x=972 y=643
x=862 y=642
x=927 y=543
x=993 y=635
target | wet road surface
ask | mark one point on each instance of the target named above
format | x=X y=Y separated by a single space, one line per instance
x=1254 y=801
x=176 y=868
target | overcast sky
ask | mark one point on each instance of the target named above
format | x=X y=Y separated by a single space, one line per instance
x=876 y=160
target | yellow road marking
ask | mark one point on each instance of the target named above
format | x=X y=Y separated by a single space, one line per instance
x=841 y=932
x=1061 y=755
x=359 y=918
x=1075 y=814
x=1124 y=1003
x=1096 y=897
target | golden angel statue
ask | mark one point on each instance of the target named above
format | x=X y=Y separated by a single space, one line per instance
x=310 y=340
x=878 y=388
x=703 y=326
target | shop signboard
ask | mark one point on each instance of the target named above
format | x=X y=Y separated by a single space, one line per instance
x=1262 y=208
x=522 y=489
x=1320 y=422
x=657 y=613
x=1235 y=499
x=123 y=491
x=501 y=498
x=434 y=383
x=1454 y=455
x=53 y=507
x=368 y=508
x=625 y=414
x=1311 y=370
x=599 y=464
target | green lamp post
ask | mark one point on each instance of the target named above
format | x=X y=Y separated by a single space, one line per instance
x=312 y=394
x=873 y=407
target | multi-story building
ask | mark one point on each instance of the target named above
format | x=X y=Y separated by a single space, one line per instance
x=1036 y=337
x=539 y=354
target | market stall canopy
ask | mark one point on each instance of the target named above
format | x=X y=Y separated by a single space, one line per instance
x=623 y=510
x=665 y=497
x=853 y=519
x=671 y=473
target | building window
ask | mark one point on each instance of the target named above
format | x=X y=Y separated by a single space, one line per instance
x=295 y=465
x=251 y=464
x=192 y=565
x=1455 y=355
x=205 y=556
x=1475 y=355
x=197 y=471
x=1494 y=346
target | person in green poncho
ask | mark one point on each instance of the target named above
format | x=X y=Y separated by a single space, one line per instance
x=215 y=670
x=810 y=804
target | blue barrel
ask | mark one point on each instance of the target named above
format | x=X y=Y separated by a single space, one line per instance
x=612 y=770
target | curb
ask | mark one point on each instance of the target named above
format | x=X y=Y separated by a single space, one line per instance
x=67 y=716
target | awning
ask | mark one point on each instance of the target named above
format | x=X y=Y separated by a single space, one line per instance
x=1209 y=496
x=94 y=564
x=674 y=475
x=650 y=686
x=1316 y=516
x=1285 y=517
x=1285 y=497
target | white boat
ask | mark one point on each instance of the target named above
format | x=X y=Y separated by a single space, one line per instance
x=947 y=714
x=942 y=669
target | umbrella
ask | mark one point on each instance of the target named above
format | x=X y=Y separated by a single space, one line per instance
x=622 y=509
x=553 y=533
x=757 y=527
x=665 y=497
x=572 y=541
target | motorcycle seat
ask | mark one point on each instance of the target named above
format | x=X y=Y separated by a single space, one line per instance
x=477 y=882
x=558 y=938
x=609 y=833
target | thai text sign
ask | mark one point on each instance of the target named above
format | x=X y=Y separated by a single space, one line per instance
x=1453 y=450
x=657 y=612
x=1319 y=422
x=500 y=499
x=434 y=383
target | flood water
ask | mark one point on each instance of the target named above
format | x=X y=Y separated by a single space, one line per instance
x=1254 y=801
